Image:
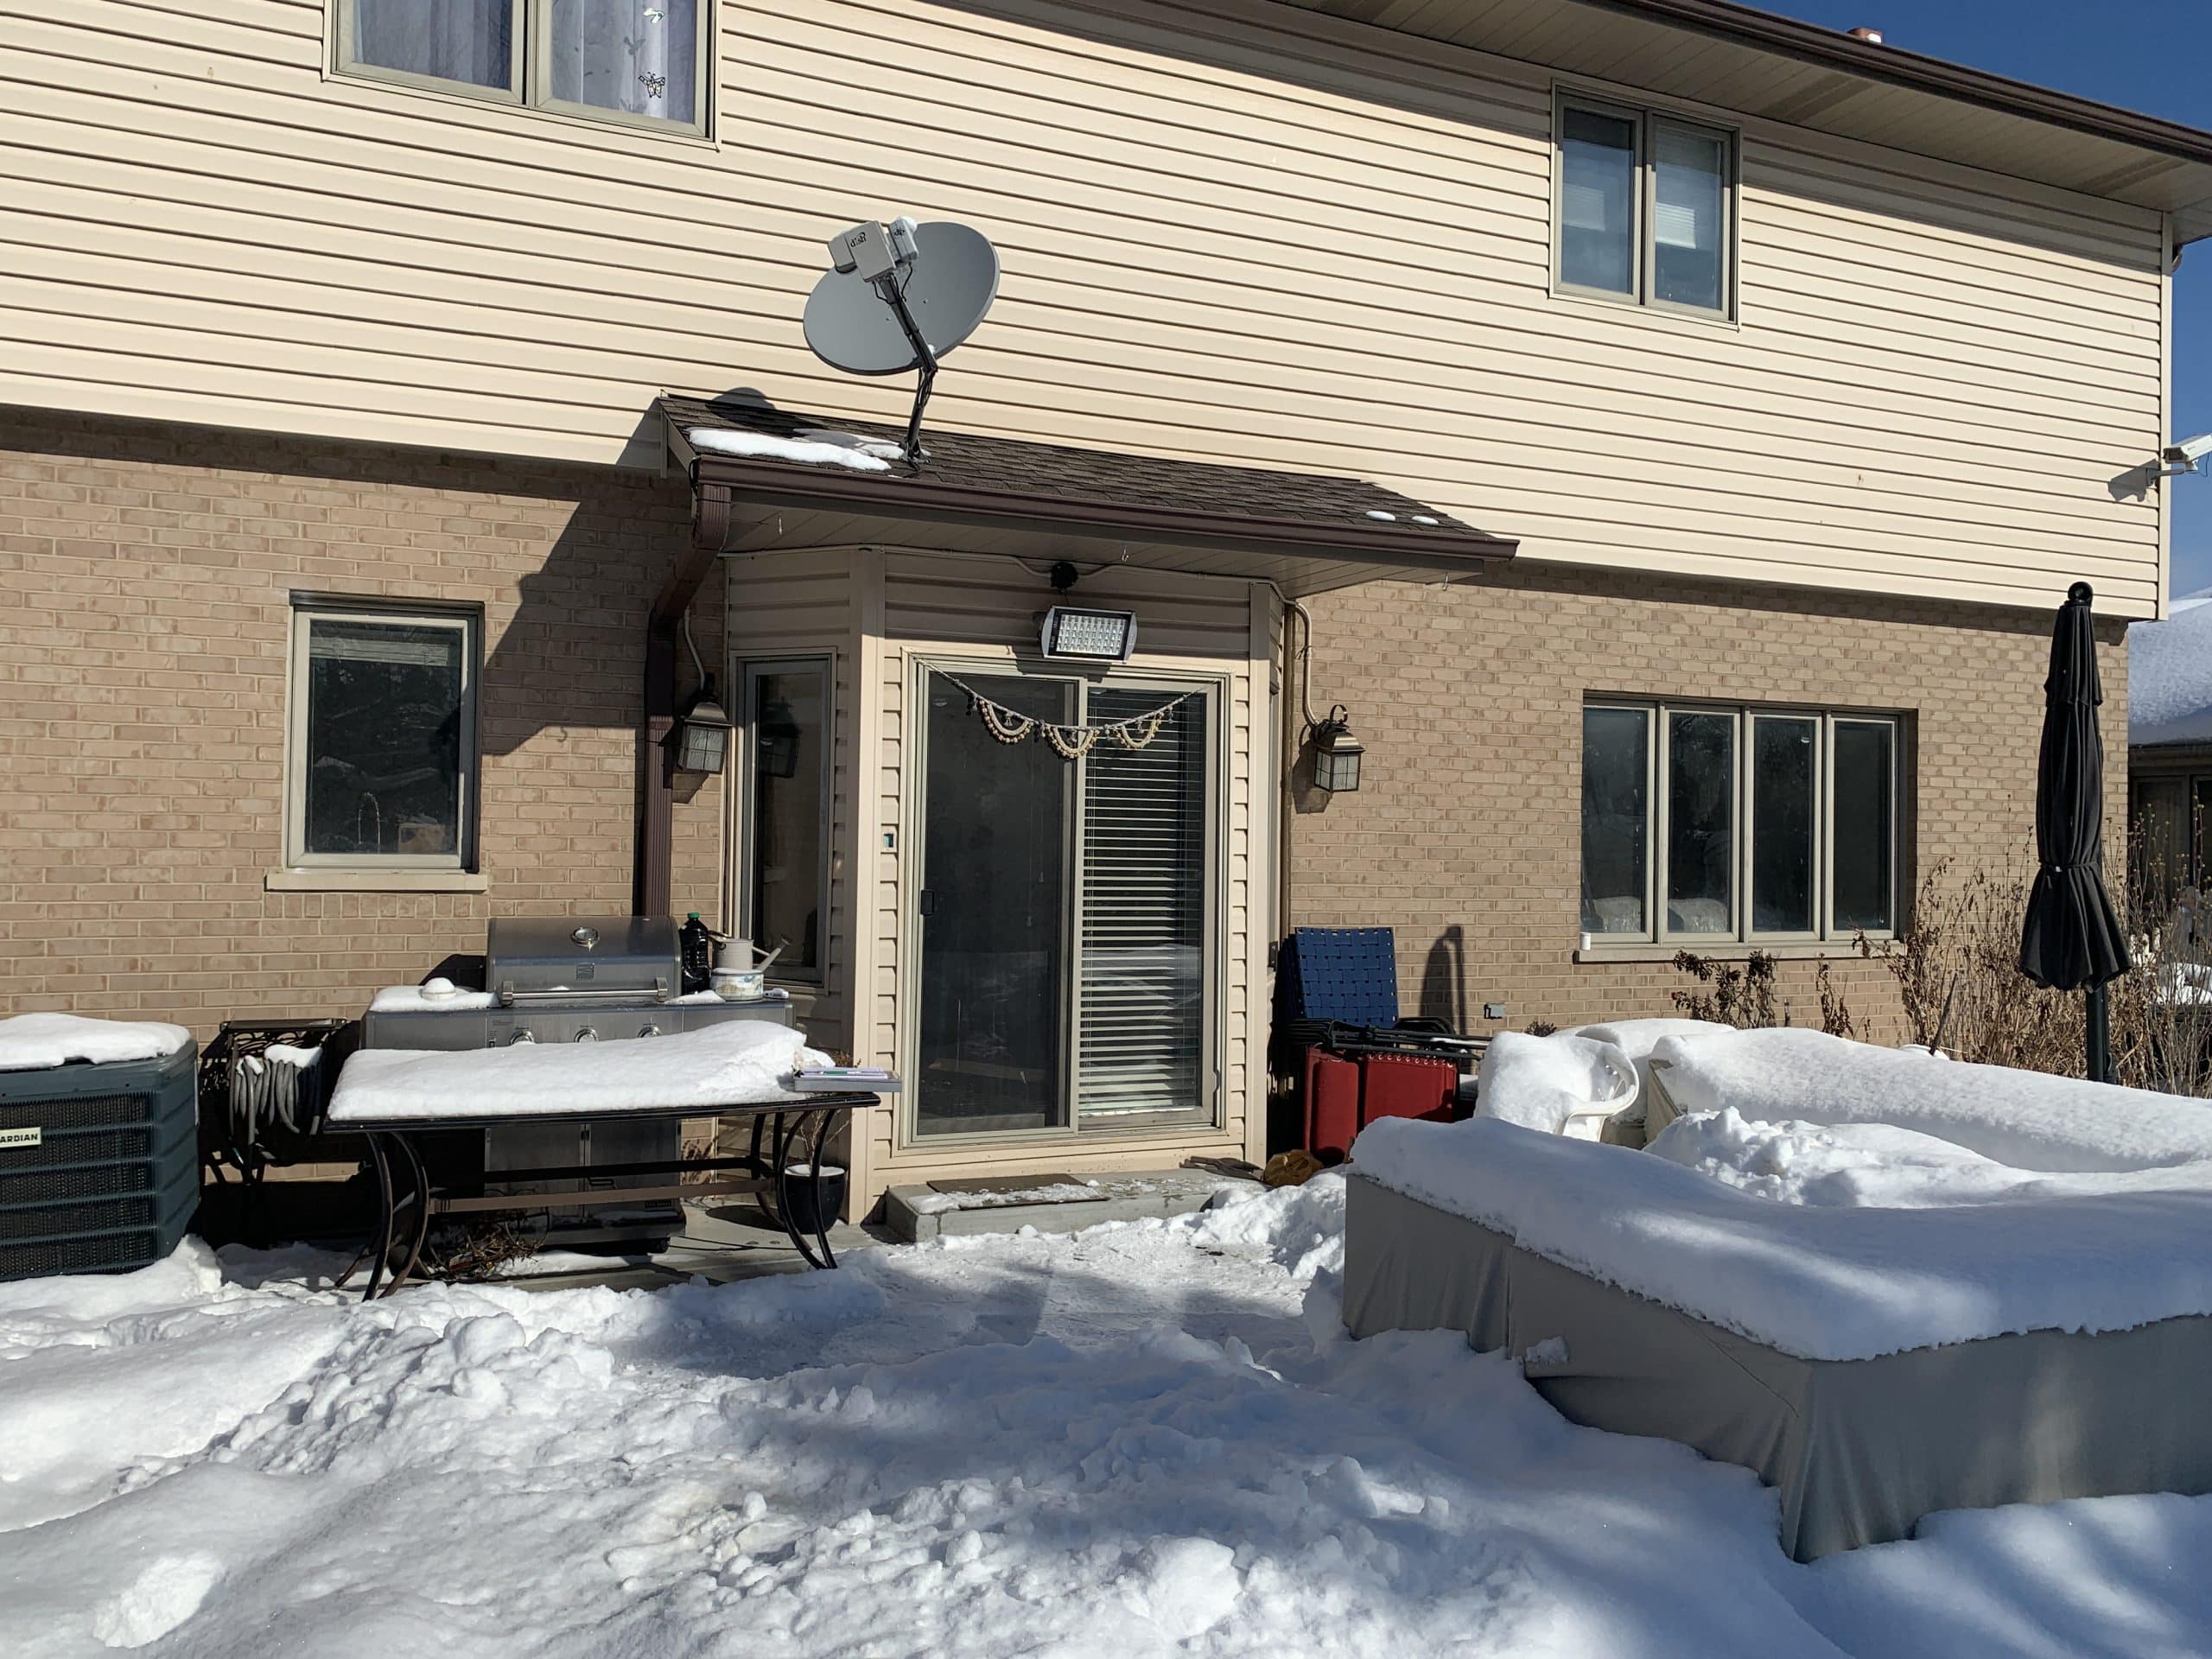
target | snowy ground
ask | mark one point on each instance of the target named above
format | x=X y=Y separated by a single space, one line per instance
x=1147 y=1439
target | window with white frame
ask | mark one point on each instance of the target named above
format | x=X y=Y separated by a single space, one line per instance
x=786 y=815
x=381 y=754
x=1706 y=823
x=1645 y=208
x=640 y=63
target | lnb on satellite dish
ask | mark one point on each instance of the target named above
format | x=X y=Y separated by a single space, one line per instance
x=900 y=297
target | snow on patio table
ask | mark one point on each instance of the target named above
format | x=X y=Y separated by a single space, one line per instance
x=1147 y=1439
x=741 y=1063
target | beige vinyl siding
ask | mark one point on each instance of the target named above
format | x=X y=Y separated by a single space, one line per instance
x=936 y=606
x=1243 y=236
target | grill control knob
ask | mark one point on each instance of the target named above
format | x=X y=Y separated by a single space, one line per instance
x=587 y=1035
x=648 y=1031
x=522 y=1037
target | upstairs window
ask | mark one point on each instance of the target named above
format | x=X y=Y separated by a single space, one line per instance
x=1645 y=210
x=635 y=61
x=1710 y=824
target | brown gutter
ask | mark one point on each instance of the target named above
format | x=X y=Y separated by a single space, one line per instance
x=1809 y=43
x=652 y=880
x=804 y=488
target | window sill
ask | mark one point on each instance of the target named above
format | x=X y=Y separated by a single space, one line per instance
x=698 y=136
x=1657 y=310
x=375 y=881
x=1726 y=950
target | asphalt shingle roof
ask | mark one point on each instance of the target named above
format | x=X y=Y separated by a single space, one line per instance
x=1108 y=482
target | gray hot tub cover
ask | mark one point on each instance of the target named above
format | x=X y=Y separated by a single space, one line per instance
x=1858 y=1449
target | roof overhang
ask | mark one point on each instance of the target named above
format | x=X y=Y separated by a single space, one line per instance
x=1757 y=63
x=973 y=503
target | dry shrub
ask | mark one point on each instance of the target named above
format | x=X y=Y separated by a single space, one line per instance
x=474 y=1252
x=1957 y=969
x=1746 y=998
x=2162 y=1011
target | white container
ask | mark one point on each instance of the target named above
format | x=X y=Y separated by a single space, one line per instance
x=739 y=984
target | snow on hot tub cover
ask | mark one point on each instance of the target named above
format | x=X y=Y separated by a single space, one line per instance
x=742 y=1063
x=2048 y=1204
x=32 y=1042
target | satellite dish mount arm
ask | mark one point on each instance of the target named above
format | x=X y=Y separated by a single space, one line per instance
x=863 y=316
x=894 y=296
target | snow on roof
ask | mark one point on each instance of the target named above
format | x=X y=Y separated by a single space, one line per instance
x=844 y=450
x=2169 y=676
x=32 y=1042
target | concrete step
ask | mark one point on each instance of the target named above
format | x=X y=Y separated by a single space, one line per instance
x=916 y=1213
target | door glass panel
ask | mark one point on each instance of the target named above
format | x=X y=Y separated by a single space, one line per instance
x=1782 y=824
x=1865 y=825
x=1141 y=997
x=790 y=733
x=1596 y=243
x=1701 y=823
x=1616 y=773
x=994 y=914
x=1688 y=232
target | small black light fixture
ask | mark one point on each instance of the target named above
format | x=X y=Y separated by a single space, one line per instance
x=1336 y=754
x=702 y=734
x=776 y=739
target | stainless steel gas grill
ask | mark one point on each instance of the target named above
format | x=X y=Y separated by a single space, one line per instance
x=567 y=979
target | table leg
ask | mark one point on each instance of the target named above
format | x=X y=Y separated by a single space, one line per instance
x=419 y=1179
x=789 y=1130
x=823 y=1120
x=380 y=1241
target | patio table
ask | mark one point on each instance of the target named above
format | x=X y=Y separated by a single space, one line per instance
x=781 y=1129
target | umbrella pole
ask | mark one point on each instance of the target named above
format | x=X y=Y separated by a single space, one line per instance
x=2098 y=1013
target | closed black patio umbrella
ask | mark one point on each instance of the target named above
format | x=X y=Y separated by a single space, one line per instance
x=2072 y=939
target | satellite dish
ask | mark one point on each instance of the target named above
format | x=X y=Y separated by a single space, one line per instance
x=950 y=284
x=901 y=297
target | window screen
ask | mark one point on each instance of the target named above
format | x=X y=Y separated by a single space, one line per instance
x=1598 y=202
x=1616 y=811
x=470 y=41
x=383 y=741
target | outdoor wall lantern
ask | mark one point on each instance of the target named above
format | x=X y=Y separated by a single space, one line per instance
x=1093 y=636
x=1336 y=754
x=703 y=734
x=778 y=738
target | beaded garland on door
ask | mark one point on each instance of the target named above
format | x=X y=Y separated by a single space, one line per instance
x=1069 y=742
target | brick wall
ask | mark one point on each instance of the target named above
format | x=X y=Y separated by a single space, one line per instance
x=145 y=577
x=1465 y=833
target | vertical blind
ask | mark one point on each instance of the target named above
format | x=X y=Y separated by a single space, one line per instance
x=1141 y=993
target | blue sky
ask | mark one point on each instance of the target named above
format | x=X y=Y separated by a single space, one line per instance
x=2151 y=57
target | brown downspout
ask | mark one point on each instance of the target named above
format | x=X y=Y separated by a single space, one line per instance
x=651 y=887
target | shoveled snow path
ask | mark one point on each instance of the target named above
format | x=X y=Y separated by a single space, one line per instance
x=1147 y=1440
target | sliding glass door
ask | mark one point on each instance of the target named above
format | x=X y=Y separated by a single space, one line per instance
x=1064 y=912
x=994 y=914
